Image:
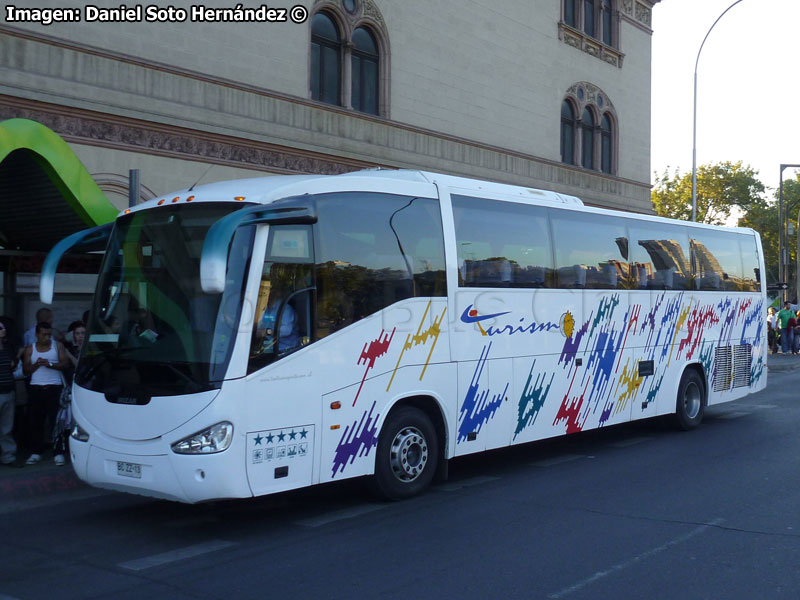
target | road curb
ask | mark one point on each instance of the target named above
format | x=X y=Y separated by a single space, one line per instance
x=780 y=363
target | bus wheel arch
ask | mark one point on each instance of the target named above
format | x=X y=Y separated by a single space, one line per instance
x=692 y=398
x=410 y=449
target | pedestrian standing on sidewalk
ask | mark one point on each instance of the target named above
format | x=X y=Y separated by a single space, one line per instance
x=791 y=326
x=43 y=314
x=796 y=340
x=43 y=361
x=786 y=333
x=8 y=447
x=772 y=330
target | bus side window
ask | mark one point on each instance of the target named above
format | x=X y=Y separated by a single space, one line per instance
x=591 y=250
x=659 y=254
x=751 y=277
x=282 y=320
x=501 y=244
x=374 y=250
x=717 y=262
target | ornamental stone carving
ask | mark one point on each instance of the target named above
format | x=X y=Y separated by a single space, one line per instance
x=643 y=14
x=627 y=7
x=370 y=10
x=587 y=93
x=364 y=9
x=137 y=138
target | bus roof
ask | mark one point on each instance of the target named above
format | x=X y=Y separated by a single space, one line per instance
x=264 y=190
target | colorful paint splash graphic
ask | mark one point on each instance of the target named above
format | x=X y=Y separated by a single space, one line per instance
x=477 y=408
x=357 y=440
x=532 y=400
x=372 y=352
x=421 y=338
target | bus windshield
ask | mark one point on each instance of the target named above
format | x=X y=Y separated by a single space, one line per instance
x=152 y=331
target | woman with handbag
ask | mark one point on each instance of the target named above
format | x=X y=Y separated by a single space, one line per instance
x=63 y=424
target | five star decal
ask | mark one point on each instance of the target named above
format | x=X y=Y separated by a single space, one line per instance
x=270 y=438
x=281 y=444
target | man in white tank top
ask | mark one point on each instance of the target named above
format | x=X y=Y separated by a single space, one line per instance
x=43 y=361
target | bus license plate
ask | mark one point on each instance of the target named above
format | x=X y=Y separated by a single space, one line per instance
x=127 y=469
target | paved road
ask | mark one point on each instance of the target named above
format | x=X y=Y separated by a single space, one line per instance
x=638 y=511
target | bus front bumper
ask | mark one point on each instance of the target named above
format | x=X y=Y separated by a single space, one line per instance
x=168 y=476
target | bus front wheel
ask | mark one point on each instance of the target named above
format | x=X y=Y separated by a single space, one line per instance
x=690 y=404
x=407 y=455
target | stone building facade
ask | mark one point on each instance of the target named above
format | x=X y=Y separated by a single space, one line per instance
x=466 y=89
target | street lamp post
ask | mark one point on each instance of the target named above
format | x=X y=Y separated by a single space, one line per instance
x=694 y=118
x=782 y=262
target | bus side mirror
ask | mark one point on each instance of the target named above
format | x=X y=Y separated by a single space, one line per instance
x=214 y=257
x=94 y=239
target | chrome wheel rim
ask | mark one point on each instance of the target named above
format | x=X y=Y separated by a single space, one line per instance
x=409 y=454
x=692 y=400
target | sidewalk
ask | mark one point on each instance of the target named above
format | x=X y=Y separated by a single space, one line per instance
x=21 y=484
x=777 y=363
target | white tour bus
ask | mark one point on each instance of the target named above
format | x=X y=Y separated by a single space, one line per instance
x=255 y=336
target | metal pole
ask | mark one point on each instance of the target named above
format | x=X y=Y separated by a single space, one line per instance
x=694 y=145
x=780 y=234
x=134 y=188
x=694 y=119
x=797 y=270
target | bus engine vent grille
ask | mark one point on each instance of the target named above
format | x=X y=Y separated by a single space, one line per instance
x=741 y=365
x=722 y=369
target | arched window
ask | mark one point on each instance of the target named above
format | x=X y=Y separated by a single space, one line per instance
x=588 y=17
x=365 y=60
x=587 y=139
x=567 y=133
x=326 y=47
x=607 y=22
x=605 y=144
x=589 y=129
x=351 y=34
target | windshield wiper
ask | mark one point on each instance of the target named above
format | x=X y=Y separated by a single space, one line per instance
x=103 y=358
x=194 y=386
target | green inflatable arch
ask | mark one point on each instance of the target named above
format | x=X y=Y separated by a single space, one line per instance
x=61 y=165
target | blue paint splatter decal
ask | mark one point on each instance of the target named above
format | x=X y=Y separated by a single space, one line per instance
x=357 y=440
x=477 y=409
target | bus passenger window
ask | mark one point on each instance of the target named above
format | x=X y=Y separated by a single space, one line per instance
x=751 y=277
x=373 y=250
x=591 y=250
x=501 y=244
x=660 y=256
x=717 y=261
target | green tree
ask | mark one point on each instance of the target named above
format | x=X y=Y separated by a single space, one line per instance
x=720 y=188
x=763 y=217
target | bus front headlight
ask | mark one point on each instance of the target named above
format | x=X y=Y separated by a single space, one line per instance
x=215 y=439
x=79 y=433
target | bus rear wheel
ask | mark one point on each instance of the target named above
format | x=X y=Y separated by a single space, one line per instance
x=407 y=455
x=690 y=404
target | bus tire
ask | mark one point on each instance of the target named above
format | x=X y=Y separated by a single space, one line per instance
x=407 y=455
x=691 y=403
